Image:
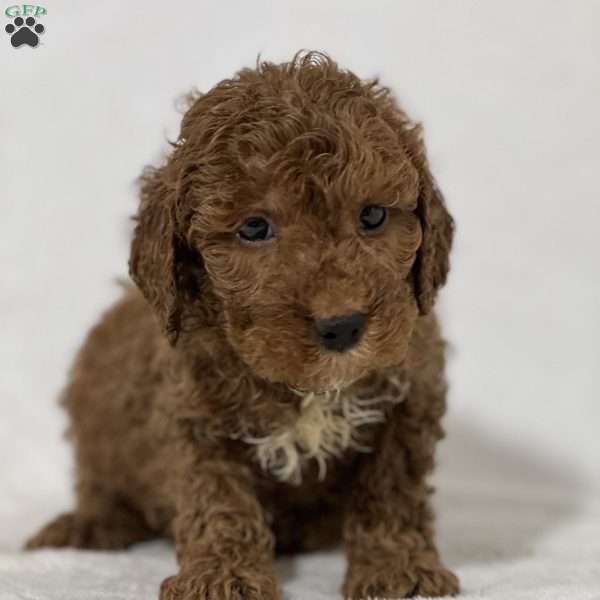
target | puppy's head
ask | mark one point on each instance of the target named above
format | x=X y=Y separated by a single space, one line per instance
x=299 y=200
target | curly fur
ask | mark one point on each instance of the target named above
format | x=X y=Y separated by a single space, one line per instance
x=186 y=415
x=325 y=428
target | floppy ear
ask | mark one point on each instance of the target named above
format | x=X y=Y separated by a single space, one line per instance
x=432 y=264
x=159 y=254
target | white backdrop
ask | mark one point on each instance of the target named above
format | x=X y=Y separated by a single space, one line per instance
x=509 y=95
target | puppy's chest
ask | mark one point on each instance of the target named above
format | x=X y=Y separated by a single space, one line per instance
x=328 y=428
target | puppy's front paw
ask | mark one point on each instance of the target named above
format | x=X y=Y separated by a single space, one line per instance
x=423 y=576
x=224 y=584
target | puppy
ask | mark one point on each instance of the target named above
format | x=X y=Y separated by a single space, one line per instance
x=275 y=382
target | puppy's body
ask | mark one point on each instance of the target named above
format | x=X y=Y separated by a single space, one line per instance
x=201 y=434
x=128 y=414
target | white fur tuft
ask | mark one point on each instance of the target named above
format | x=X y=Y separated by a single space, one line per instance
x=325 y=429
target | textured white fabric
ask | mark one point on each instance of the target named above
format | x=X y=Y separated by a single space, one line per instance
x=512 y=526
x=508 y=92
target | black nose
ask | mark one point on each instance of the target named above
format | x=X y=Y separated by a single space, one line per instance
x=341 y=332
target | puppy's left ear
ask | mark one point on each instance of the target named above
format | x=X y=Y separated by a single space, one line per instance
x=433 y=258
x=161 y=263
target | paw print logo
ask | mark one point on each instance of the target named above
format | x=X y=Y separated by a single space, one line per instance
x=24 y=32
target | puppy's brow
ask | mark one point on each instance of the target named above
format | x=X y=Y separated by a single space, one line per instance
x=400 y=200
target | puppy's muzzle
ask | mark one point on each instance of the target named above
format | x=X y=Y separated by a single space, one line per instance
x=340 y=333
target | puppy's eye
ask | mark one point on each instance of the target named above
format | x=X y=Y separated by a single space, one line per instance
x=256 y=229
x=372 y=217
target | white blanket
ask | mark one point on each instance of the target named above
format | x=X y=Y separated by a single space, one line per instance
x=512 y=527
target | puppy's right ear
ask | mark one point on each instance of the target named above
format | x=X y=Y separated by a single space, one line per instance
x=433 y=258
x=156 y=250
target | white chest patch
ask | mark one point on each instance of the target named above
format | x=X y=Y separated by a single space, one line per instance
x=325 y=428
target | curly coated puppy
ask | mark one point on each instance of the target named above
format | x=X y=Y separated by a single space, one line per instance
x=276 y=384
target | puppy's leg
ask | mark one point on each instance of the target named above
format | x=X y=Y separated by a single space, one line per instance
x=388 y=532
x=223 y=544
x=102 y=521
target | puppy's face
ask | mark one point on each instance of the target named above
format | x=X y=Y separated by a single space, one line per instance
x=314 y=270
x=305 y=195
